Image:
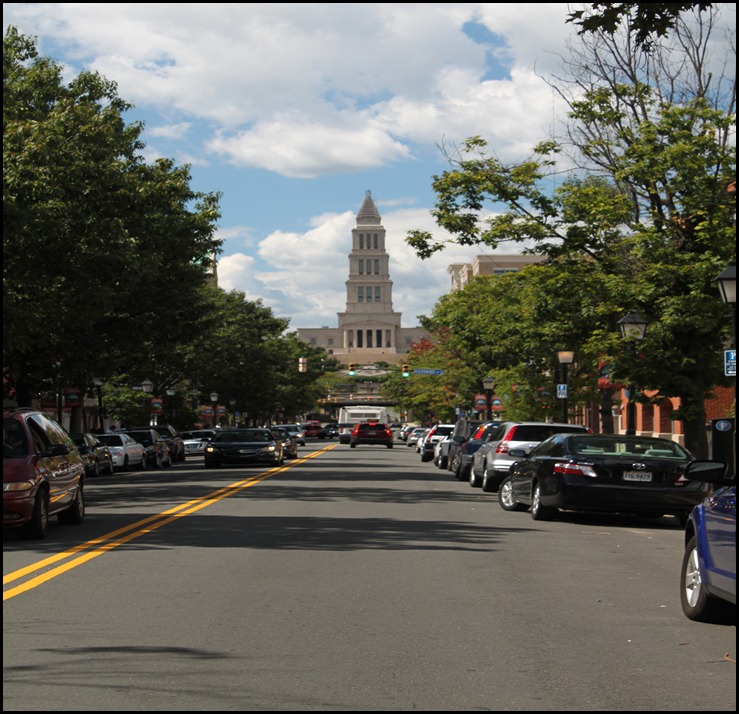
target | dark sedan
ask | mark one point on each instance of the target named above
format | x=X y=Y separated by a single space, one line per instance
x=95 y=455
x=244 y=447
x=634 y=475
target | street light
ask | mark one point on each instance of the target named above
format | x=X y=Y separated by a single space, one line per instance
x=98 y=382
x=171 y=391
x=147 y=386
x=633 y=327
x=232 y=404
x=488 y=384
x=214 y=399
x=727 y=287
x=565 y=358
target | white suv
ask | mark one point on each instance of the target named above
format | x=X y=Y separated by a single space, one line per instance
x=436 y=434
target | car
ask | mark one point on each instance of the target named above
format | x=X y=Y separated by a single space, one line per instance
x=371 y=433
x=463 y=430
x=708 y=572
x=436 y=433
x=492 y=460
x=195 y=440
x=607 y=473
x=329 y=431
x=96 y=455
x=441 y=452
x=174 y=440
x=295 y=430
x=312 y=429
x=416 y=433
x=127 y=453
x=158 y=454
x=43 y=473
x=461 y=463
x=246 y=447
x=289 y=441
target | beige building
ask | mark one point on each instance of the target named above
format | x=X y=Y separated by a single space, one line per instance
x=369 y=329
x=496 y=264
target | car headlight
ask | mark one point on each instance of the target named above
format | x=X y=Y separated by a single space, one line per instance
x=17 y=486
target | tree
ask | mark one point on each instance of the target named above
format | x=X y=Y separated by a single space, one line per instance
x=101 y=251
x=647 y=19
x=647 y=213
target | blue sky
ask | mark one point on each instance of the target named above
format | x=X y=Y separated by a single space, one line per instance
x=293 y=111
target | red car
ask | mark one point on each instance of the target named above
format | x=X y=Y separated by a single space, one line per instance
x=371 y=433
x=311 y=429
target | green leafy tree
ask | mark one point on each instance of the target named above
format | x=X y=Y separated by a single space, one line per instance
x=102 y=252
x=650 y=219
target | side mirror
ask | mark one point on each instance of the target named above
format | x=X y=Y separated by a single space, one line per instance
x=715 y=472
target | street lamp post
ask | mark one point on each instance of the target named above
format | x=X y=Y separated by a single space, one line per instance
x=633 y=327
x=171 y=391
x=726 y=282
x=232 y=404
x=98 y=382
x=147 y=386
x=565 y=359
x=488 y=384
x=214 y=400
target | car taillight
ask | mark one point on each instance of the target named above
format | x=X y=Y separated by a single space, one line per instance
x=503 y=446
x=571 y=469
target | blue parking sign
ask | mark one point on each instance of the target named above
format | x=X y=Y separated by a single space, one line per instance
x=730 y=363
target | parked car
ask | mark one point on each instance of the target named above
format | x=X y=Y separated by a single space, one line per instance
x=95 y=454
x=156 y=446
x=441 y=452
x=436 y=433
x=463 y=430
x=127 y=453
x=295 y=430
x=708 y=573
x=371 y=432
x=244 y=447
x=289 y=441
x=492 y=460
x=43 y=473
x=417 y=433
x=612 y=473
x=174 y=440
x=461 y=464
x=196 y=440
x=311 y=429
x=405 y=431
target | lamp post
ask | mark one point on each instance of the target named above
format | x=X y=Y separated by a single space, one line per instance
x=633 y=327
x=726 y=282
x=488 y=384
x=147 y=387
x=232 y=404
x=98 y=382
x=565 y=359
x=214 y=400
x=171 y=391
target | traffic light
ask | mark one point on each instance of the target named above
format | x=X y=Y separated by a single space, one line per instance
x=352 y=369
x=406 y=371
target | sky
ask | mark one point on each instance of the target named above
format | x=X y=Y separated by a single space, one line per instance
x=293 y=111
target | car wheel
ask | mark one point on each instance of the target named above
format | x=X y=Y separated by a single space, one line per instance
x=109 y=467
x=475 y=480
x=38 y=526
x=696 y=602
x=125 y=463
x=540 y=512
x=389 y=446
x=353 y=446
x=489 y=481
x=444 y=462
x=75 y=514
x=506 y=497
x=95 y=469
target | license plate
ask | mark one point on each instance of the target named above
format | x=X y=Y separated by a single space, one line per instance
x=637 y=476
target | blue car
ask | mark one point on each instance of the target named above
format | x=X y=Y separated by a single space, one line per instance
x=708 y=577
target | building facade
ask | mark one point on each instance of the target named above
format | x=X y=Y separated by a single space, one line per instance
x=369 y=330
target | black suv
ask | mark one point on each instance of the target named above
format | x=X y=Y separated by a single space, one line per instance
x=463 y=430
x=174 y=441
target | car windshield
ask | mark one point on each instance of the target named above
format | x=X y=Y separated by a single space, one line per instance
x=243 y=435
x=632 y=447
x=196 y=434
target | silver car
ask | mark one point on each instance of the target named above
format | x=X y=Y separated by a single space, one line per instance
x=491 y=461
x=196 y=440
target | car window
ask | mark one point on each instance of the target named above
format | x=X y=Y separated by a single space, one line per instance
x=14 y=439
x=53 y=432
x=111 y=439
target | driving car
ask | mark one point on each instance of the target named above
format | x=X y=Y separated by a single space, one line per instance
x=289 y=441
x=158 y=454
x=43 y=473
x=295 y=430
x=95 y=455
x=244 y=447
x=127 y=453
x=371 y=433
x=195 y=440
x=611 y=473
x=312 y=429
x=708 y=572
x=492 y=460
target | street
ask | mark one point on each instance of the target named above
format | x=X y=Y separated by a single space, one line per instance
x=349 y=580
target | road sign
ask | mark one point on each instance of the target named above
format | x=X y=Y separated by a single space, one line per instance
x=434 y=372
x=730 y=363
x=561 y=391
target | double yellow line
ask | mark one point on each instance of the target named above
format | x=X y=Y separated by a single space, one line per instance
x=93 y=548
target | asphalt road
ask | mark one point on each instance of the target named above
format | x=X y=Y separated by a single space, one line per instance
x=349 y=580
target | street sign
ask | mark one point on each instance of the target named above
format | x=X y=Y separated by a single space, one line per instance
x=434 y=372
x=561 y=391
x=730 y=363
